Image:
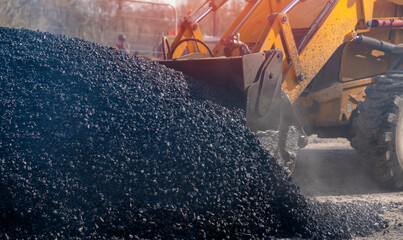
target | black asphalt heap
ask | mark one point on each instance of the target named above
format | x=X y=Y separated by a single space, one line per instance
x=95 y=143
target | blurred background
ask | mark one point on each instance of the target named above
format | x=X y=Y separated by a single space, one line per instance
x=144 y=22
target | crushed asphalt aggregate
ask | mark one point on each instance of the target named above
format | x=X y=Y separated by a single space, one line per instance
x=95 y=143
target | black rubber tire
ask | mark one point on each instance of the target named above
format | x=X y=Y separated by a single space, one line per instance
x=378 y=130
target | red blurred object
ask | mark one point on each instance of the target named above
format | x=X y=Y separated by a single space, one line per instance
x=386 y=23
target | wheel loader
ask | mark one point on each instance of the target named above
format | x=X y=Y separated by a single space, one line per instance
x=328 y=67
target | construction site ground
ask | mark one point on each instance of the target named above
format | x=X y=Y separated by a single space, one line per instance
x=329 y=169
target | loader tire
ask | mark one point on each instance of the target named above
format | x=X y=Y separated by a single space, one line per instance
x=378 y=129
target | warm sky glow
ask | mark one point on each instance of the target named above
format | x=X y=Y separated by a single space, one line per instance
x=174 y=2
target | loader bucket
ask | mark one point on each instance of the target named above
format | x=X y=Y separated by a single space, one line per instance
x=259 y=75
x=231 y=72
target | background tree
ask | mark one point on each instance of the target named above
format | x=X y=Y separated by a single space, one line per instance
x=102 y=21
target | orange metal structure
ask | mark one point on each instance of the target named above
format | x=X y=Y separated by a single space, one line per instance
x=308 y=33
x=308 y=60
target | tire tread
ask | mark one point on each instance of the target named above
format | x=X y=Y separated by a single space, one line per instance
x=375 y=129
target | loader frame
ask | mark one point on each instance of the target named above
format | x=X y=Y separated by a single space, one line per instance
x=324 y=73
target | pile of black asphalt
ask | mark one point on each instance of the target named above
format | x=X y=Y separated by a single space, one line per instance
x=98 y=144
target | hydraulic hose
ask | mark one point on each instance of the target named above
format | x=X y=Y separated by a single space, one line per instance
x=374 y=43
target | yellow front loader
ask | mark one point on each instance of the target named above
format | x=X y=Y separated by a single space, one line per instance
x=330 y=67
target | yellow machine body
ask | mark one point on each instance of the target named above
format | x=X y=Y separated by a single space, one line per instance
x=297 y=53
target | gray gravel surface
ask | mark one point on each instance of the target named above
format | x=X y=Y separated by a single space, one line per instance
x=95 y=143
x=330 y=170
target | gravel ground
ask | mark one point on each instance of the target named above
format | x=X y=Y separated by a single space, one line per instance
x=95 y=143
x=330 y=170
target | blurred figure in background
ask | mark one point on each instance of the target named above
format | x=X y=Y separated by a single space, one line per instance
x=121 y=44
